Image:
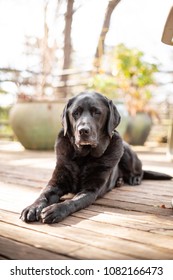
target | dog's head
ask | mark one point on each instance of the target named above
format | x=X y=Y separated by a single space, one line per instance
x=89 y=119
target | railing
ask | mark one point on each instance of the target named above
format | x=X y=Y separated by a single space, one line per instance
x=38 y=82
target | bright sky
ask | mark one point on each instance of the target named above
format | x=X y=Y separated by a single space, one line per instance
x=137 y=23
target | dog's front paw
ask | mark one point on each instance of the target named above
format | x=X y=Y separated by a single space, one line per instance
x=32 y=212
x=55 y=213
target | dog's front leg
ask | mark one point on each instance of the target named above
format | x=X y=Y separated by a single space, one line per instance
x=58 y=185
x=58 y=211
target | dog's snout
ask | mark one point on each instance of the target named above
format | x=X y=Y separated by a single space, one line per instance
x=84 y=131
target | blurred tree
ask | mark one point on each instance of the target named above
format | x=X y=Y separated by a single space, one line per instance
x=45 y=49
x=42 y=52
x=105 y=28
x=67 y=49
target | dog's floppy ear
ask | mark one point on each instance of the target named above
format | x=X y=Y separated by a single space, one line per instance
x=113 y=118
x=65 y=117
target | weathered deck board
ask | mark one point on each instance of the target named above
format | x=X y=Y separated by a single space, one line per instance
x=127 y=223
x=18 y=250
x=94 y=232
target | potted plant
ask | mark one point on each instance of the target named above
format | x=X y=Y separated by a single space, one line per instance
x=36 y=122
x=133 y=81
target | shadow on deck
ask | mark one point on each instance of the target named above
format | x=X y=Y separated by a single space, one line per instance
x=127 y=223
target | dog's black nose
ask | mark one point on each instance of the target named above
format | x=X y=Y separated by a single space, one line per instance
x=84 y=131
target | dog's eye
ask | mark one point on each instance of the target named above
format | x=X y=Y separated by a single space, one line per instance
x=96 y=111
x=76 y=113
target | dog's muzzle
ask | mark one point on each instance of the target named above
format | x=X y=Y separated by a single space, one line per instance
x=84 y=137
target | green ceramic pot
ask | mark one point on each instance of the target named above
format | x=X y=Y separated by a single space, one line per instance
x=36 y=124
x=138 y=129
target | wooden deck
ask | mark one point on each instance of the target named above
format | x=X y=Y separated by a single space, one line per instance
x=128 y=223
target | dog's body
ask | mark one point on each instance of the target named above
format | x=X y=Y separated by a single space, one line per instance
x=91 y=160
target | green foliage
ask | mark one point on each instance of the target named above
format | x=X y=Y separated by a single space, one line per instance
x=135 y=77
x=132 y=79
x=104 y=84
x=131 y=65
x=5 y=128
x=3 y=91
x=4 y=113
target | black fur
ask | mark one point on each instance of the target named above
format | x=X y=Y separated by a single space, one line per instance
x=91 y=160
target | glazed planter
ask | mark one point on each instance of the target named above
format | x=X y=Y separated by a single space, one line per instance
x=36 y=124
x=138 y=129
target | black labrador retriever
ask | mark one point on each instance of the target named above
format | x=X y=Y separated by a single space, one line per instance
x=91 y=160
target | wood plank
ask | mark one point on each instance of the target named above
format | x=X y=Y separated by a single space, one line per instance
x=113 y=245
x=56 y=244
x=21 y=178
x=11 y=200
x=17 y=205
x=38 y=240
x=134 y=207
x=93 y=253
x=9 y=192
x=29 y=166
x=95 y=238
x=147 y=187
x=135 y=216
x=14 y=189
x=153 y=186
x=126 y=220
x=139 y=198
x=158 y=240
x=3 y=258
x=13 y=250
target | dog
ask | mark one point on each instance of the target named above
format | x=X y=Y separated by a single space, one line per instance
x=91 y=160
